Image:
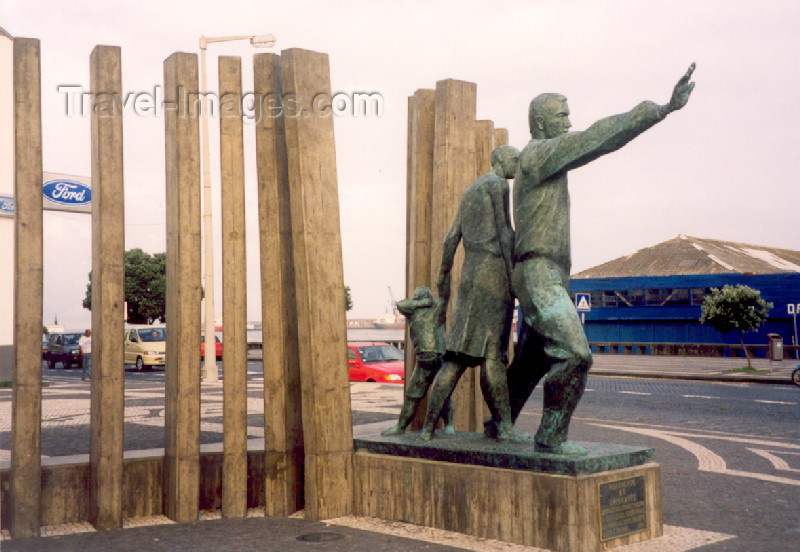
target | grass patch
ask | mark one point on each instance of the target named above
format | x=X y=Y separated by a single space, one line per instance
x=5 y=384
x=747 y=370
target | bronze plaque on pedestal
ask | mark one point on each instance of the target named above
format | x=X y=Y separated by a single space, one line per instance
x=623 y=509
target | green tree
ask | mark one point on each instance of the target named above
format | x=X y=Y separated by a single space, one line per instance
x=348 y=300
x=735 y=308
x=145 y=286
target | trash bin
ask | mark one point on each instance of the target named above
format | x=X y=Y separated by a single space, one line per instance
x=775 y=346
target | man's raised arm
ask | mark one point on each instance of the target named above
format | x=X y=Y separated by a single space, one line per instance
x=574 y=149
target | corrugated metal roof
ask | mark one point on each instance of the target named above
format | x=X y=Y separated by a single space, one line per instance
x=689 y=255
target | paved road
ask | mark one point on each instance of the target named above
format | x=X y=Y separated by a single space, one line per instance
x=730 y=453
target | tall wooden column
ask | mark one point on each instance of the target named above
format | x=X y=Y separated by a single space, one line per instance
x=108 y=290
x=484 y=144
x=316 y=239
x=234 y=290
x=283 y=422
x=419 y=190
x=453 y=171
x=500 y=137
x=182 y=416
x=26 y=398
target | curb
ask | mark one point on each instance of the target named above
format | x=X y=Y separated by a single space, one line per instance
x=694 y=377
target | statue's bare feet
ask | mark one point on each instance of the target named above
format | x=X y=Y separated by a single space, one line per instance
x=564 y=449
x=511 y=435
x=490 y=429
x=449 y=430
x=394 y=430
x=426 y=434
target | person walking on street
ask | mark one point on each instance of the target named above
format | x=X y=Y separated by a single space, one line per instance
x=85 y=344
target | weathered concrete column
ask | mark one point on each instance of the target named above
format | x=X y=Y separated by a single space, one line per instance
x=453 y=171
x=418 y=211
x=182 y=416
x=484 y=144
x=26 y=398
x=316 y=239
x=234 y=290
x=500 y=137
x=283 y=421
x=108 y=289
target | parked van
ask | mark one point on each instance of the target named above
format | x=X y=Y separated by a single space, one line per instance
x=63 y=348
x=145 y=346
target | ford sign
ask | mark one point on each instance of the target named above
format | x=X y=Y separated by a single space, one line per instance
x=67 y=192
x=7 y=205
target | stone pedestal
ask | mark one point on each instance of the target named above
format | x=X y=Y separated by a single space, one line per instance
x=465 y=483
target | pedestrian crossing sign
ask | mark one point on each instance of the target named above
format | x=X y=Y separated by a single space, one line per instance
x=583 y=302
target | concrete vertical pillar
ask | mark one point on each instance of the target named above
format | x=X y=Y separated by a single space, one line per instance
x=484 y=144
x=454 y=170
x=420 y=187
x=283 y=422
x=316 y=239
x=182 y=416
x=26 y=405
x=108 y=291
x=234 y=290
x=500 y=137
x=6 y=192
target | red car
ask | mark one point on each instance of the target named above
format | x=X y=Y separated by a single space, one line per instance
x=378 y=362
x=203 y=347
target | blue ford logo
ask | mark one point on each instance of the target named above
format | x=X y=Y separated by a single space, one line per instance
x=67 y=192
x=6 y=205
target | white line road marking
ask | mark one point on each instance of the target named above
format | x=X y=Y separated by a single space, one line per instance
x=698 y=397
x=761 y=442
x=707 y=460
x=777 y=462
x=697 y=431
x=635 y=393
x=774 y=402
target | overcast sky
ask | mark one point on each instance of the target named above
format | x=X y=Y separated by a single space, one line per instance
x=725 y=167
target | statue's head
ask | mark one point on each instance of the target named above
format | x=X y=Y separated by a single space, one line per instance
x=423 y=292
x=548 y=116
x=504 y=161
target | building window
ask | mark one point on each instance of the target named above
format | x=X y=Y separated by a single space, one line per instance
x=654 y=297
x=676 y=297
x=698 y=295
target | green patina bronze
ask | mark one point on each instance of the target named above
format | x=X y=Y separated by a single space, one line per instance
x=552 y=344
x=426 y=317
x=475 y=449
x=481 y=321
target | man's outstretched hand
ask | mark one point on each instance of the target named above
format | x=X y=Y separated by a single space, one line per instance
x=682 y=90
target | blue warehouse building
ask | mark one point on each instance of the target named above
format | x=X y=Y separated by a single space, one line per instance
x=654 y=295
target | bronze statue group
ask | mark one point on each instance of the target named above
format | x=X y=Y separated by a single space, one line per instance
x=530 y=262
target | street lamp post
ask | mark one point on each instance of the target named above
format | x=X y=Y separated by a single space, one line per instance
x=210 y=361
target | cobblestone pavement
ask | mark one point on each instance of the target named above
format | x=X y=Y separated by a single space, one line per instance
x=730 y=457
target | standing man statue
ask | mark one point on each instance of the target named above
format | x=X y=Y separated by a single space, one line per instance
x=553 y=343
x=481 y=324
